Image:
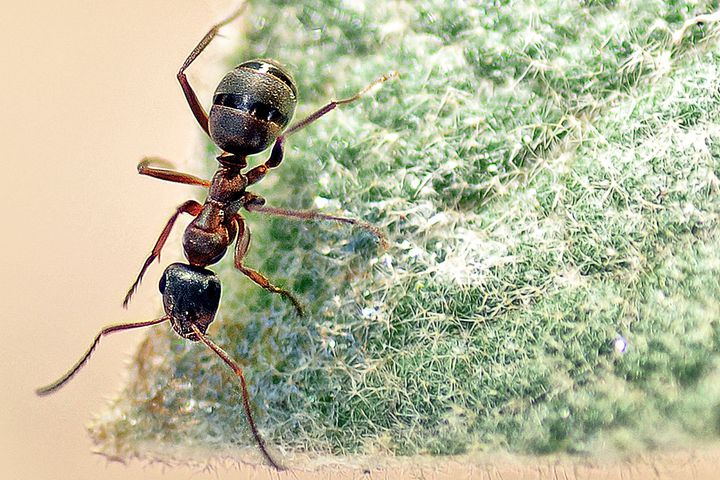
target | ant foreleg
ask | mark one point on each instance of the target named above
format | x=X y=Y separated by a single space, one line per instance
x=168 y=175
x=241 y=248
x=71 y=373
x=193 y=208
x=197 y=108
x=255 y=203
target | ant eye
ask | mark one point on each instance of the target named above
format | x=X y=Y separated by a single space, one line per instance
x=163 y=283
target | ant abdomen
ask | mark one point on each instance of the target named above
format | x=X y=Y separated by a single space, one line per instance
x=191 y=296
x=252 y=106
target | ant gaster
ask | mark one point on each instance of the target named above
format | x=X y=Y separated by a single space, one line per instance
x=251 y=110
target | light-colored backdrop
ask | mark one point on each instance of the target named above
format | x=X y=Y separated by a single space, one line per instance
x=87 y=89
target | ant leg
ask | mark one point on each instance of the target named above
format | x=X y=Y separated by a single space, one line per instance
x=197 y=109
x=193 y=208
x=245 y=396
x=335 y=103
x=256 y=174
x=255 y=203
x=168 y=175
x=71 y=373
x=241 y=248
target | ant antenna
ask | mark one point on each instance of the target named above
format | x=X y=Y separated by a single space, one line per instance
x=71 y=373
x=245 y=396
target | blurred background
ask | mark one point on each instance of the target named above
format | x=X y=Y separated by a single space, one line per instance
x=88 y=89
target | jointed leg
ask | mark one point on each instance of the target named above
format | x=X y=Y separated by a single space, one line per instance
x=256 y=204
x=335 y=103
x=195 y=106
x=168 y=175
x=245 y=396
x=71 y=373
x=193 y=208
x=241 y=248
x=276 y=157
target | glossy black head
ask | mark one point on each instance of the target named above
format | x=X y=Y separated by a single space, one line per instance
x=252 y=106
x=191 y=295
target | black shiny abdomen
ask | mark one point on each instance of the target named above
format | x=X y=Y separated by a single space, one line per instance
x=191 y=295
x=273 y=68
x=251 y=107
x=256 y=109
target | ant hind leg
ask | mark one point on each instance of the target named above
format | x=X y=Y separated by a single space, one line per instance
x=195 y=106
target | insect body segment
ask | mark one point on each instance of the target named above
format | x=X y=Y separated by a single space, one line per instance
x=208 y=236
x=191 y=296
x=252 y=108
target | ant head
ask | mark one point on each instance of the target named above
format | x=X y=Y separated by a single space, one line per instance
x=191 y=296
x=252 y=106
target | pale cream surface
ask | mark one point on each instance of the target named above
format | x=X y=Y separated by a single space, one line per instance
x=87 y=89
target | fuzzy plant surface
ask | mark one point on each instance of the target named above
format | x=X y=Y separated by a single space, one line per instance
x=547 y=175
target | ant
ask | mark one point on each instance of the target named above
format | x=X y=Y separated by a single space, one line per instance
x=252 y=107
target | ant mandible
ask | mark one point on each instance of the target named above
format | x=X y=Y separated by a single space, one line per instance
x=252 y=107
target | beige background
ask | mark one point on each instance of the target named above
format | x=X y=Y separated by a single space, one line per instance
x=87 y=89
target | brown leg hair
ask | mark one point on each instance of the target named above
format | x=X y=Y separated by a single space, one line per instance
x=241 y=248
x=254 y=205
x=336 y=103
x=193 y=208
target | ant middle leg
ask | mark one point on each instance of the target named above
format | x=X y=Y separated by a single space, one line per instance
x=255 y=203
x=193 y=208
x=241 y=248
x=144 y=168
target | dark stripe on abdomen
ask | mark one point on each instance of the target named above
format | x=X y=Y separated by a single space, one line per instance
x=272 y=70
x=244 y=103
